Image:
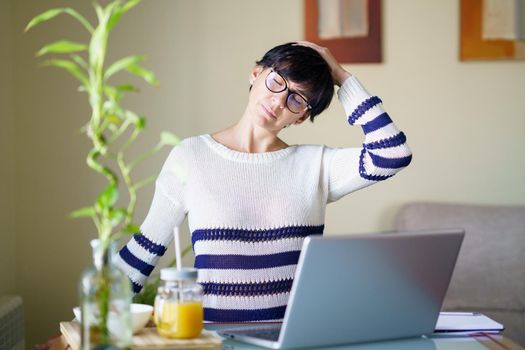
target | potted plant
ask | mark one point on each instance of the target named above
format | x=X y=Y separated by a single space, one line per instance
x=105 y=291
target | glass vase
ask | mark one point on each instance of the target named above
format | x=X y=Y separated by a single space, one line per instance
x=105 y=301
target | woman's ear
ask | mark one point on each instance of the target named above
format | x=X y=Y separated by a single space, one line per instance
x=255 y=73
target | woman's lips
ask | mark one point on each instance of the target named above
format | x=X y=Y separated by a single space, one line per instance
x=269 y=112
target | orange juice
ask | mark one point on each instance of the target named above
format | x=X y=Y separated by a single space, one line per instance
x=180 y=320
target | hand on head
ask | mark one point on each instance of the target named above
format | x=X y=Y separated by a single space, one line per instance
x=339 y=74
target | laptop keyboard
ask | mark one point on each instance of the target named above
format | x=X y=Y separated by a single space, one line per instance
x=267 y=333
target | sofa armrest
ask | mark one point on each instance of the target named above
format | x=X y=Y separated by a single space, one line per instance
x=11 y=323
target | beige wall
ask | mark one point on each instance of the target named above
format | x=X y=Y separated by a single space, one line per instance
x=464 y=121
x=7 y=154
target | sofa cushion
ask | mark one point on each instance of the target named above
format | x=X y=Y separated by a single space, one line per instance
x=490 y=272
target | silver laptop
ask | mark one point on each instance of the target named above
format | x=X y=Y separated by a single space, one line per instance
x=359 y=288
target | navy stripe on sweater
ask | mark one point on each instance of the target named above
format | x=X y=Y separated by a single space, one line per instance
x=135 y=262
x=393 y=141
x=135 y=286
x=364 y=174
x=363 y=108
x=246 y=261
x=149 y=245
x=220 y=315
x=377 y=123
x=390 y=163
x=245 y=235
x=248 y=289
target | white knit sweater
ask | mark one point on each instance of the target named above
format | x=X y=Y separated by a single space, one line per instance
x=249 y=213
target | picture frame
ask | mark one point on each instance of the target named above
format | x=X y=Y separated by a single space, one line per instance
x=357 y=49
x=490 y=30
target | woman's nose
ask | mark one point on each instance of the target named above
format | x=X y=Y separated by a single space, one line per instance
x=279 y=99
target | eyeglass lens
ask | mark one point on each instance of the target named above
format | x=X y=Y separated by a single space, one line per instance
x=295 y=102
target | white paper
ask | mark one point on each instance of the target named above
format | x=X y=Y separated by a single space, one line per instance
x=466 y=322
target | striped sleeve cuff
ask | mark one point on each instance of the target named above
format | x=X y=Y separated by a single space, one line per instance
x=360 y=107
x=138 y=258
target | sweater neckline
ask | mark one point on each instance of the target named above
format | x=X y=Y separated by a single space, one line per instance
x=246 y=156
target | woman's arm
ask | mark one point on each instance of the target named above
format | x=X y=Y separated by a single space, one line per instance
x=139 y=256
x=384 y=151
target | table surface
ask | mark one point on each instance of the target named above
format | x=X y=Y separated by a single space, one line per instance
x=479 y=341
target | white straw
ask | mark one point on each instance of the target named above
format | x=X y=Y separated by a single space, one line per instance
x=176 y=240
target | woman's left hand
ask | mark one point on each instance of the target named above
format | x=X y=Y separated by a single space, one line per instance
x=339 y=74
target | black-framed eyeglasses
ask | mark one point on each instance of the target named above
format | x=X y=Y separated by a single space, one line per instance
x=295 y=102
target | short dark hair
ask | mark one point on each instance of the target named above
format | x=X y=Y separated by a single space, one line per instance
x=304 y=66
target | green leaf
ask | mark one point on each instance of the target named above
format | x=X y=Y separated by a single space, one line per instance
x=62 y=46
x=129 y=5
x=99 y=38
x=132 y=229
x=49 y=14
x=141 y=123
x=117 y=216
x=100 y=12
x=132 y=116
x=83 y=212
x=110 y=106
x=168 y=138
x=111 y=92
x=114 y=19
x=138 y=121
x=96 y=53
x=108 y=197
x=80 y=61
x=127 y=87
x=45 y=16
x=114 y=120
x=71 y=67
x=113 y=14
x=117 y=14
x=80 y=18
x=121 y=64
x=144 y=73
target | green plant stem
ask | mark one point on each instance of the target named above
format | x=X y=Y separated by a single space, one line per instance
x=96 y=221
x=124 y=169
x=144 y=182
x=123 y=127
x=144 y=156
x=108 y=122
x=130 y=140
x=94 y=164
x=103 y=305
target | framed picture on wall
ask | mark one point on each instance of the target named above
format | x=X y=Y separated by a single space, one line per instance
x=350 y=29
x=492 y=30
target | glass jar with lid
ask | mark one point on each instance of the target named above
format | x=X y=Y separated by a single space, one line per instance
x=178 y=305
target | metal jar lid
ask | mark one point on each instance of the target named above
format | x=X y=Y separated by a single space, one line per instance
x=173 y=274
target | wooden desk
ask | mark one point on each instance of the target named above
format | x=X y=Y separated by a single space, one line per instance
x=480 y=341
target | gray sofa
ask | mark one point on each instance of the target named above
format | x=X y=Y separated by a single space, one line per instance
x=11 y=323
x=490 y=273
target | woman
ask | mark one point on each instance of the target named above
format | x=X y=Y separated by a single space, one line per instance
x=250 y=198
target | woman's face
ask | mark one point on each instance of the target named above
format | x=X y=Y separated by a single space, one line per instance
x=269 y=109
